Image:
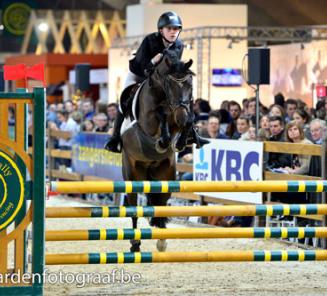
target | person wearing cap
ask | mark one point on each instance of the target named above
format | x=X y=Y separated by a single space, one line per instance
x=148 y=55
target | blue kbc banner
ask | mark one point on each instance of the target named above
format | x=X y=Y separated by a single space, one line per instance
x=90 y=159
x=228 y=160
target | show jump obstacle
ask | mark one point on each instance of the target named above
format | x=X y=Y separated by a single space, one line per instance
x=22 y=189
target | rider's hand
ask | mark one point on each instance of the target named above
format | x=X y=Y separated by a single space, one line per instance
x=156 y=59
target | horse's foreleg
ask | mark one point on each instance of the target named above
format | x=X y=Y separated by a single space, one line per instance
x=164 y=140
x=135 y=244
x=159 y=199
x=132 y=201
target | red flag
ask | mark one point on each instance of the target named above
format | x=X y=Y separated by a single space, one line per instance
x=36 y=72
x=14 y=72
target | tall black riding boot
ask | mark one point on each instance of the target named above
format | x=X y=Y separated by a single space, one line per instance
x=114 y=144
x=195 y=138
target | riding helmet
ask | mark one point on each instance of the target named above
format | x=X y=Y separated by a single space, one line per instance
x=169 y=19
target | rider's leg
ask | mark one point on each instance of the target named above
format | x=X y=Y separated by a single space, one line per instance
x=194 y=137
x=114 y=143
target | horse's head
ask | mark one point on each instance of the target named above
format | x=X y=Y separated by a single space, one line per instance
x=174 y=78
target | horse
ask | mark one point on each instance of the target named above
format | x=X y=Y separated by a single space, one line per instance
x=159 y=125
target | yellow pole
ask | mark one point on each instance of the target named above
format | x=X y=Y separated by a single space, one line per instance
x=185 y=186
x=185 y=233
x=161 y=257
x=178 y=211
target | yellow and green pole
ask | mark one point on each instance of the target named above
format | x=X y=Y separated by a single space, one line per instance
x=186 y=186
x=185 y=233
x=179 y=211
x=164 y=257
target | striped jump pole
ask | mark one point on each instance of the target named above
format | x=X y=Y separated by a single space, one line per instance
x=186 y=186
x=164 y=257
x=185 y=233
x=179 y=211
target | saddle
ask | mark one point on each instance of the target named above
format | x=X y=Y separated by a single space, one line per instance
x=126 y=99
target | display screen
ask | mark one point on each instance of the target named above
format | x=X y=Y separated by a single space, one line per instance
x=226 y=77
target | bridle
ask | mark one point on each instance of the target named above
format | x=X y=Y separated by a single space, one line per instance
x=180 y=82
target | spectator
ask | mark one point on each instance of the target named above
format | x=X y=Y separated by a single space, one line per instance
x=303 y=119
x=250 y=135
x=277 y=110
x=290 y=106
x=88 y=109
x=213 y=128
x=196 y=108
x=204 y=109
x=202 y=123
x=318 y=133
x=279 y=99
x=234 y=109
x=300 y=163
x=264 y=131
x=251 y=111
x=112 y=110
x=78 y=117
x=318 y=130
x=320 y=111
x=277 y=160
x=51 y=114
x=60 y=107
x=242 y=125
x=87 y=126
x=302 y=105
x=101 y=121
x=224 y=119
x=69 y=107
x=224 y=105
x=245 y=104
x=67 y=124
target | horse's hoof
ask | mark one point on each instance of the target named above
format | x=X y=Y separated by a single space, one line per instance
x=135 y=245
x=135 y=248
x=161 y=245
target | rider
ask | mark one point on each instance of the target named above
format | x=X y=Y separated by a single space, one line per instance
x=147 y=56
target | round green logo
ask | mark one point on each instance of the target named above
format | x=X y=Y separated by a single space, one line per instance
x=15 y=18
x=11 y=190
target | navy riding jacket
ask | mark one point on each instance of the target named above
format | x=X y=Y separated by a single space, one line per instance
x=149 y=48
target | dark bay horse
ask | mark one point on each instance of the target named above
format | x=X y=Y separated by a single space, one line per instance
x=161 y=126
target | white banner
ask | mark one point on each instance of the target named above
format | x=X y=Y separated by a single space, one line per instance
x=230 y=160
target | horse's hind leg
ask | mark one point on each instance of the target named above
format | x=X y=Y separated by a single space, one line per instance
x=135 y=244
x=159 y=199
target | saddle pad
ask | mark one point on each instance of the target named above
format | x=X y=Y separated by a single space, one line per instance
x=128 y=121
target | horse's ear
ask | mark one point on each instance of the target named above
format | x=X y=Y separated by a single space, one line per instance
x=168 y=62
x=188 y=64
